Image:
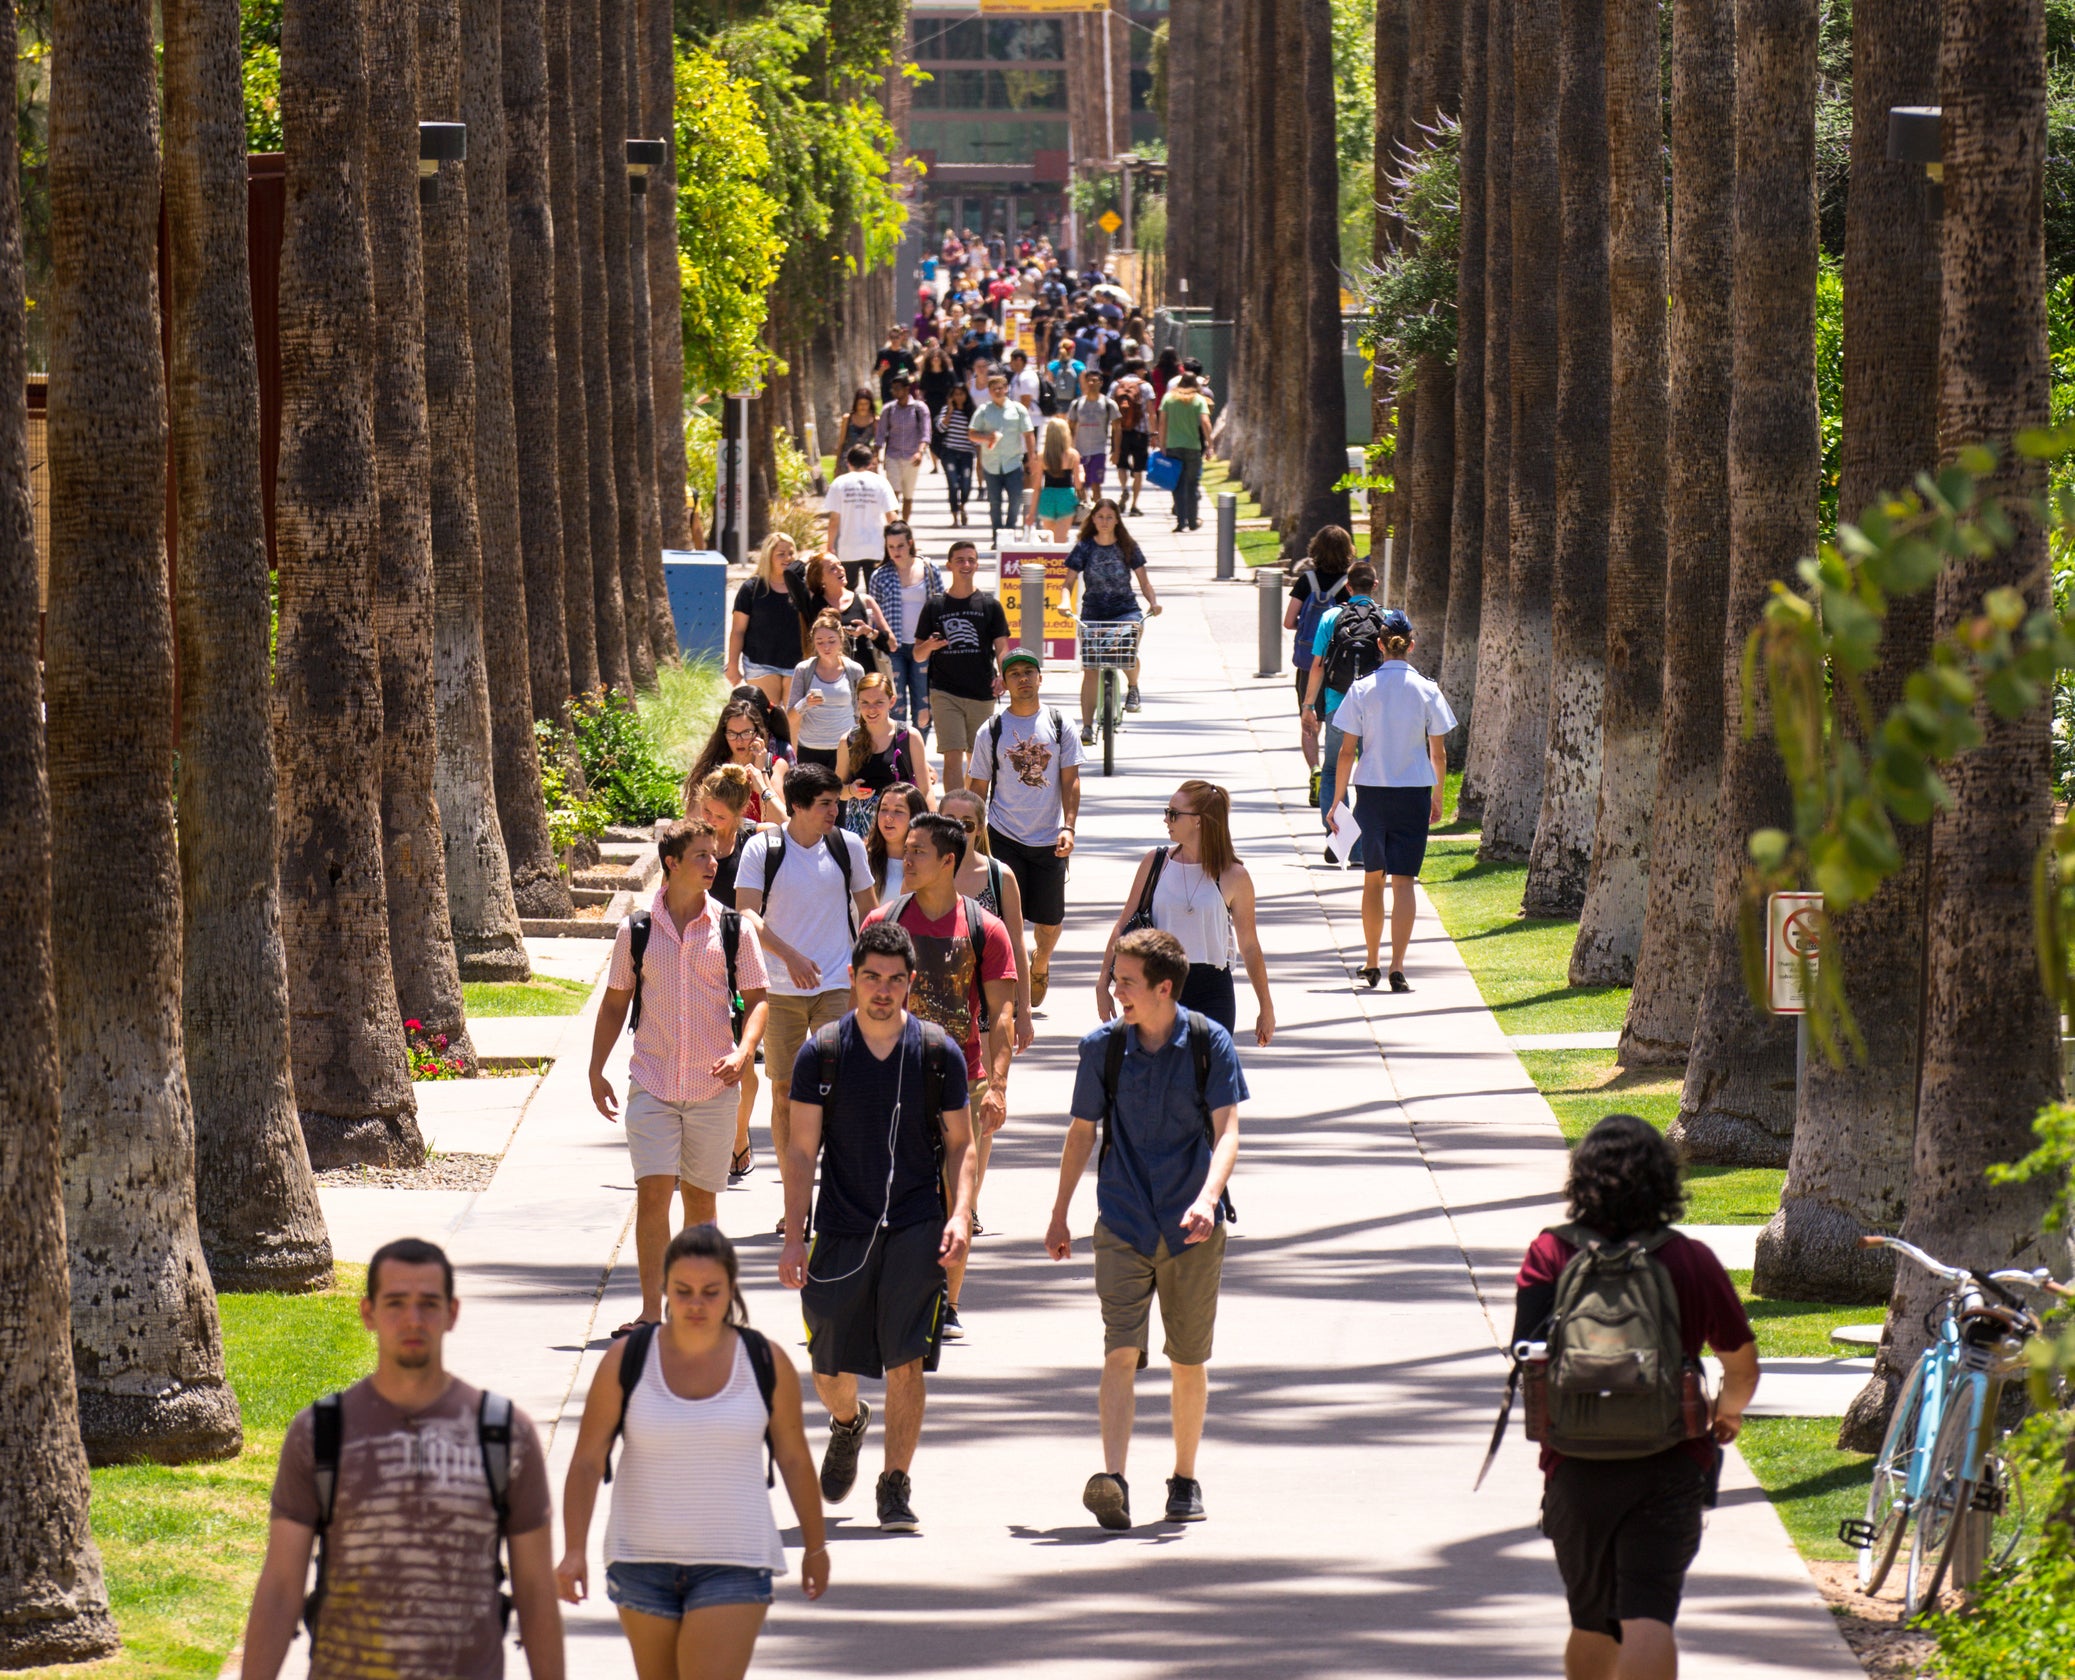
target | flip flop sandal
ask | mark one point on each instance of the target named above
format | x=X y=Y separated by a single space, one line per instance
x=1040 y=982
x=632 y=1325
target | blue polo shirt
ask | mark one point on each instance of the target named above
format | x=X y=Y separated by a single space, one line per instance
x=1159 y=1147
x=1322 y=638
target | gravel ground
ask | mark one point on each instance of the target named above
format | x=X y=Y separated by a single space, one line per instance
x=440 y=1172
x=1873 y=1627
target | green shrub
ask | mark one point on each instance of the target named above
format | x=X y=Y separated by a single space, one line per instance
x=621 y=762
x=2020 y=1624
x=570 y=817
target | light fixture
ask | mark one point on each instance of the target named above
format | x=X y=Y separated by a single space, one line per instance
x=1914 y=137
x=642 y=156
x=438 y=143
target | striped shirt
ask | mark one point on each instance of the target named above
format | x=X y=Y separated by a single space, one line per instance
x=685 y=1019
x=953 y=424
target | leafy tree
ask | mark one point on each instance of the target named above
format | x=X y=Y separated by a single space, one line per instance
x=1410 y=295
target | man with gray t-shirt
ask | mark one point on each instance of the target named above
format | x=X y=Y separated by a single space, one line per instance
x=1027 y=765
x=1094 y=418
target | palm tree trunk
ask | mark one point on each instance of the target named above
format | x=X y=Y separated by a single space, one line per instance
x=50 y=1568
x=1849 y=1168
x=1990 y=1052
x=1321 y=398
x=145 y=1342
x=537 y=886
x=1737 y=1108
x=613 y=84
x=1495 y=615
x=534 y=365
x=414 y=858
x=1466 y=518
x=1610 y=927
x=1427 y=555
x=572 y=431
x=1673 y=959
x=255 y=1198
x=665 y=284
x=1514 y=797
x=487 y=942
x=661 y=631
x=1404 y=413
x=596 y=390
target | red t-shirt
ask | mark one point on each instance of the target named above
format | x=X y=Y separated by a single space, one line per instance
x=1711 y=1315
x=946 y=990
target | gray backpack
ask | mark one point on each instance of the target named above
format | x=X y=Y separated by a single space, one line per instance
x=1617 y=1373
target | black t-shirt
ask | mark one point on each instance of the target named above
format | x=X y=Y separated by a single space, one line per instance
x=773 y=636
x=855 y=1121
x=966 y=667
x=723 y=889
x=891 y=362
x=936 y=385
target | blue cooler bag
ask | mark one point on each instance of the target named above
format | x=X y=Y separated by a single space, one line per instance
x=1163 y=470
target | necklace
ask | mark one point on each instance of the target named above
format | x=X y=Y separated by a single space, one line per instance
x=1189 y=892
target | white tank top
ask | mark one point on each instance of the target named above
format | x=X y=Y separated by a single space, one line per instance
x=1187 y=904
x=689 y=1484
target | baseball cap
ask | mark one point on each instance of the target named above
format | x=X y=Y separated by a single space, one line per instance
x=1021 y=656
x=1395 y=623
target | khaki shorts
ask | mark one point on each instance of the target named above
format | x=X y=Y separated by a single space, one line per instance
x=958 y=720
x=902 y=474
x=790 y=1022
x=1187 y=1283
x=692 y=1142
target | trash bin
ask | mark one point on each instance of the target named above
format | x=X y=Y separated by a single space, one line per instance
x=696 y=584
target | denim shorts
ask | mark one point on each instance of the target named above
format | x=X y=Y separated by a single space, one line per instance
x=750 y=668
x=675 y=1590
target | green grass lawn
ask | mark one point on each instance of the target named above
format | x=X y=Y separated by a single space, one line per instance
x=1798 y=1329
x=544 y=994
x=182 y=1546
x=1256 y=548
x=679 y=714
x=1811 y=1484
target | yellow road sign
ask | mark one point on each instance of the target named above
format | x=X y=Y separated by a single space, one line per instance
x=1109 y=221
x=1044 y=5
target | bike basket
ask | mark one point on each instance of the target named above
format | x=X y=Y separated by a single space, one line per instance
x=1108 y=646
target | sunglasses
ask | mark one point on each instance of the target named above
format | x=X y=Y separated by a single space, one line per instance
x=967 y=824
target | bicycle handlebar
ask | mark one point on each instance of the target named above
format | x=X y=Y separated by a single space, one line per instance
x=2038 y=1279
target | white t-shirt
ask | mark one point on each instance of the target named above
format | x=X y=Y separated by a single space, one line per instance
x=1023 y=801
x=1023 y=387
x=862 y=499
x=811 y=910
x=1393 y=709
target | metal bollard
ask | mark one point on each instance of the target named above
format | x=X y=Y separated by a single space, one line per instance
x=1268 y=582
x=1035 y=577
x=1228 y=534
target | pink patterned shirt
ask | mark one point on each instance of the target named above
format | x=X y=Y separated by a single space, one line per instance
x=684 y=999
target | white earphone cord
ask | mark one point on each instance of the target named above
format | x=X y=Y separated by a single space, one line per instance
x=893 y=1127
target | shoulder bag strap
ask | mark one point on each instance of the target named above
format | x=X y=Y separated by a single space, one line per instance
x=765 y=1369
x=327 y=1441
x=633 y=1359
x=638 y=925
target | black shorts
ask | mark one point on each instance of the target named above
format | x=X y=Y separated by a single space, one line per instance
x=1132 y=451
x=1625 y=1531
x=874 y=1301
x=1393 y=821
x=1039 y=871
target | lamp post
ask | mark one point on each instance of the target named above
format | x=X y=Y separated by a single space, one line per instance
x=1125 y=164
x=1913 y=137
x=438 y=143
x=642 y=156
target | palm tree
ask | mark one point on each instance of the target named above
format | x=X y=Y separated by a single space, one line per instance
x=1561 y=856
x=145 y=1342
x=485 y=919
x=1513 y=797
x=1673 y=957
x=536 y=878
x=613 y=83
x=665 y=283
x=572 y=438
x=414 y=858
x=50 y=1568
x=656 y=622
x=535 y=423
x=1466 y=520
x=1495 y=615
x=1318 y=387
x=1849 y=1168
x=1990 y=1047
x=256 y=1200
x=1437 y=31
x=1737 y=1107
x=595 y=391
x=1610 y=926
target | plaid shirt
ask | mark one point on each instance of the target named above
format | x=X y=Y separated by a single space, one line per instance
x=904 y=428
x=885 y=587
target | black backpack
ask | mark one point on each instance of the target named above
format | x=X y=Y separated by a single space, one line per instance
x=1113 y=1071
x=638 y=926
x=635 y=1359
x=937 y=1051
x=327 y=1442
x=994 y=737
x=834 y=844
x=1352 y=653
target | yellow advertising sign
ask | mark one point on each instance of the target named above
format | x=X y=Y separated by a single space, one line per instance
x=1048 y=567
x=1032 y=6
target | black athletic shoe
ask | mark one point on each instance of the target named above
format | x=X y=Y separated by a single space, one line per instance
x=1398 y=981
x=896 y=1515
x=1184 y=1499
x=1109 y=1499
x=839 y=1463
x=951 y=1330
x=1370 y=976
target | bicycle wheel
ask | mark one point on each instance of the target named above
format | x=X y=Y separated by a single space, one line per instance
x=1109 y=723
x=1887 y=1500
x=1993 y=1523
x=1941 y=1512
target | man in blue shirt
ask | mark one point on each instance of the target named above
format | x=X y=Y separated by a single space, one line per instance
x=1169 y=1144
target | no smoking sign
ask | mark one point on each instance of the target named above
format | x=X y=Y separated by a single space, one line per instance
x=1793 y=944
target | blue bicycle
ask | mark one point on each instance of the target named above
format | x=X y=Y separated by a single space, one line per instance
x=1941 y=1477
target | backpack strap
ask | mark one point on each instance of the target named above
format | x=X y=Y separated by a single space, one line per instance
x=837 y=843
x=633 y=1358
x=327 y=1442
x=639 y=925
x=827 y=1041
x=976 y=936
x=730 y=950
x=765 y=1369
x=1058 y=727
x=937 y=1051
x=494 y=1441
x=1199 y=1048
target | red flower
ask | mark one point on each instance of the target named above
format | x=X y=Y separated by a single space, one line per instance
x=440 y=1039
x=413 y=1026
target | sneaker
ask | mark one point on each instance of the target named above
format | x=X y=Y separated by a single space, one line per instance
x=741 y=1166
x=1109 y=1499
x=1131 y=699
x=839 y=1463
x=1316 y=775
x=951 y=1330
x=896 y=1515
x=1398 y=982
x=1087 y=734
x=1184 y=1499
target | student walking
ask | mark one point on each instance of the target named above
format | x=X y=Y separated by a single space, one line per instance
x=858 y=429
x=1109 y=562
x=902 y=584
x=879 y=1101
x=886 y=847
x=903 y=438
x=985 y=877
x=955 y=448
x=1626 y=1479
x=1196 y=888
x=810 y=885
x=877 y=754
x=859 y=506
x=723 y=801
x=764 y=628
x=1164 y=1086
x=1059 y=464
x=1027 y=765
x=1136 y=404
x=690 y=1543
x=1004 y=431
x=1094 y=419
x=821 y=704
x=965 y=982
x=1184 y=428
x=962 y=635
x=1317 y=587
x=413 y=1487
x=1346 y=644
x=1393 y=729
x=676 y=968
x=739 y=741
